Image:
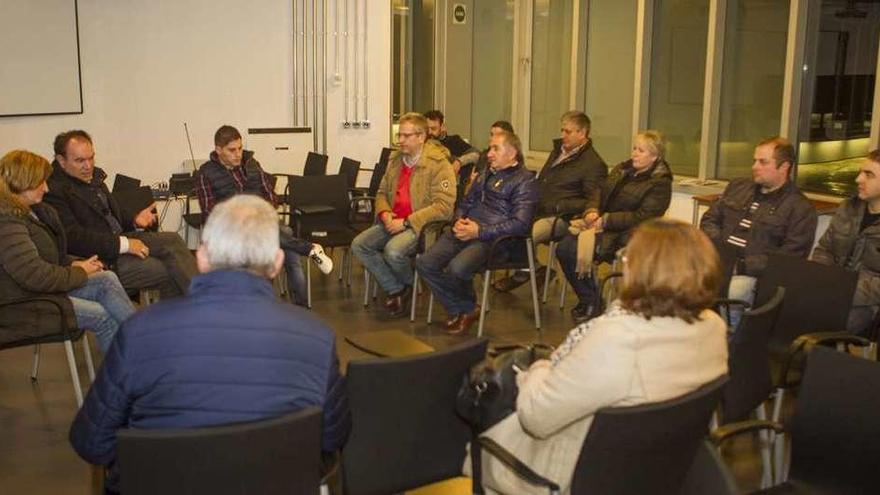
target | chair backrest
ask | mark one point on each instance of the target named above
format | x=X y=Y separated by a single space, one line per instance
x=376 y=178
x=645 y=449
x=321 y=190
x=817 y=297
x=405 y=431
x=748 y=361
x=708 y=474
x=316 y=164
x=728 y=255
x=279 y=455
x=384 y=156
x=835 y=434
x=350 y=169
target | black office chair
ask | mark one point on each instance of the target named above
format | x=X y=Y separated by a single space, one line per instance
x=405 y=431
x=751 y=383
x=278 y=455
x=818 y=298
x=634 y=450
x=320 y=212
x=316 y=164
x=22 y=328
x=834 y=431
x=350 y=169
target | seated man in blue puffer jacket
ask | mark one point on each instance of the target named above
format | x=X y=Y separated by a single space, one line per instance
x=228 y=352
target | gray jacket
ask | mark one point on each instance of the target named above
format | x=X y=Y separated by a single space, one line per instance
x=843 y=245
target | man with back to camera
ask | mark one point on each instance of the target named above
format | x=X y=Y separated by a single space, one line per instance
x=418 y=187
x=852 y=241
x=762 y=215
x=501 y=202
x=95 y=224
x=462 y=152
x=233 y=170
x=571 y=179
x=228 y=352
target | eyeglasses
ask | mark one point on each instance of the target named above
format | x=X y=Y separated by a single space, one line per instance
x=406 y=135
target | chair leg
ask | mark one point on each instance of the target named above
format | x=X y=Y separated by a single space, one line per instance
x=413 y=297
x=779 y=451
x=531 y=252
x=35 y=368
x=562 y=291
x=349 y=265
x=777 y=404
x=74 y=375
x=87 y=351
x=430 y=306
x=367 y=282
x=341 y=271
x=308 y=285
x=486 y=283
x=551 y=262
x=765 y=443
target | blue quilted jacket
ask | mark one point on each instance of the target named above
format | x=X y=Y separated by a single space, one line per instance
x=228 y=352
x=502 y=203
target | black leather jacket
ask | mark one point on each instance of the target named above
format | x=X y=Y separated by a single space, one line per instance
x=785 y=224
x=574 y=184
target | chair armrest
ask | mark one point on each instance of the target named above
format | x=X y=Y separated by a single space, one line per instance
x=722 y=433
x=606 y=279
x=54 y=302
x=432 y=226
x=515 y=465
x=807 y=341
x=304 y=210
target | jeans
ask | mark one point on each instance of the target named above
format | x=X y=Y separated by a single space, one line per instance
x=741 y=287
x=293 y=248
x=387 y=256
x=566 y=253
x=101 y=306
x=449 y=267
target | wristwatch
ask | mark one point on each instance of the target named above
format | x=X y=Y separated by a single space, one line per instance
x=406 y=224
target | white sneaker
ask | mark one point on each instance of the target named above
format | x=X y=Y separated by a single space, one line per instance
x=325 y=264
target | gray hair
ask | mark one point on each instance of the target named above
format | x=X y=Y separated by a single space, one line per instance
x=242 y=234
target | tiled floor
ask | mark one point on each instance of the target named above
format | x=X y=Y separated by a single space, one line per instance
x=35 y=457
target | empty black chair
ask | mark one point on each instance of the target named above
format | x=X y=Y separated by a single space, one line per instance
x=320 y=210
x=817 y=301
x=350 y=168
x=834 y=431
x=279 y=455
x=405 y=431
x=316 y=164
x=639 y=449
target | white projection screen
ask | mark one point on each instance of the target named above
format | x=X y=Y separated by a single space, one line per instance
x=39 y=66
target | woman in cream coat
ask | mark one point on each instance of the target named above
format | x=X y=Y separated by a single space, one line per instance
x=658 y=342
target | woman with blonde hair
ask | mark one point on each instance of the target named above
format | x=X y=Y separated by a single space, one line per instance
x=34 y=261
x=636 y=190
x=658 y=342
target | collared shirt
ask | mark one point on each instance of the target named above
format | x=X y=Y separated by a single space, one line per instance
x=564 y=155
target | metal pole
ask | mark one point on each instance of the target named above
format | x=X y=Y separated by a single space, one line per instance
x=345 y=65
x=366 y=71
x=295 y=71
x=315 y=74
x=357 y=68
x=324 y=78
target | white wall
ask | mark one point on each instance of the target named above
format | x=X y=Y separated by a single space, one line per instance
x=149 y=66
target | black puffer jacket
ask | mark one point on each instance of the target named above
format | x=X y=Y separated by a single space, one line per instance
x=785 y=223
x=574 y=184
x=629 y=199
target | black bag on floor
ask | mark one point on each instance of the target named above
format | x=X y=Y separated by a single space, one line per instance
x=488 y=392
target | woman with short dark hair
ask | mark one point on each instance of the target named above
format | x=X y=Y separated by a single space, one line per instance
x=658 y=342
x=33 y=255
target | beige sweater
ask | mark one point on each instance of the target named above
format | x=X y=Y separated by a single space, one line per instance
x=623 y=360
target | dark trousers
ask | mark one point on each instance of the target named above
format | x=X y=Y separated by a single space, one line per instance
x=169 y=267
x=448 y=268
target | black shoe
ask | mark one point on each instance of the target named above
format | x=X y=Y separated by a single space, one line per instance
x=582 y=312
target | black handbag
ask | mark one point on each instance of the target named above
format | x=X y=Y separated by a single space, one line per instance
x=488 y=392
